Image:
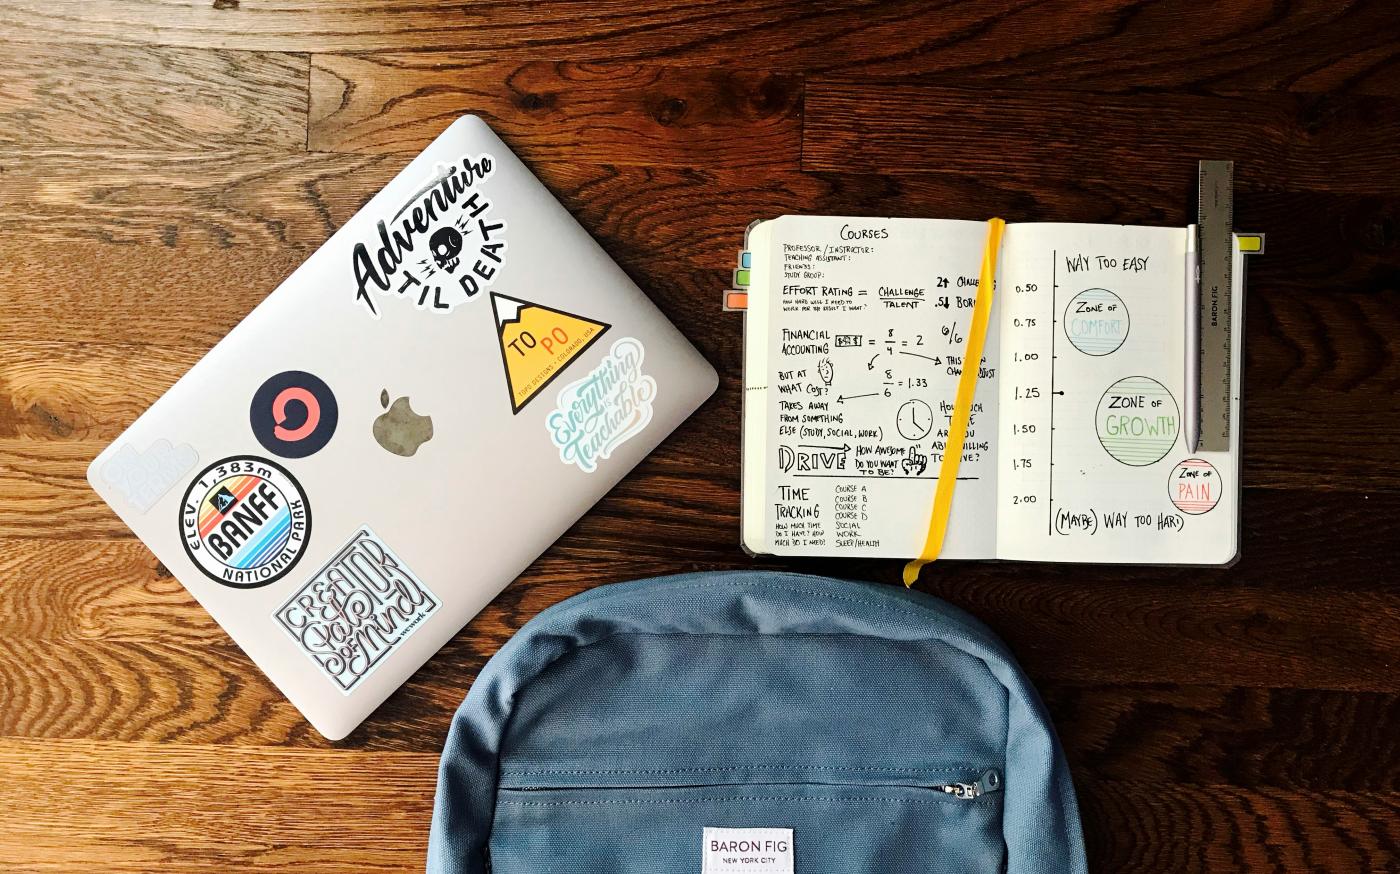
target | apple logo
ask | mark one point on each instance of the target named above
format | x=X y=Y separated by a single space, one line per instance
x=400 y=430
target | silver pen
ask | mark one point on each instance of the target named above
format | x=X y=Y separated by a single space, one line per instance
x=1192 y=402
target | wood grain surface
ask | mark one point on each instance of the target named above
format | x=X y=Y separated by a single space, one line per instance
x=164 y=165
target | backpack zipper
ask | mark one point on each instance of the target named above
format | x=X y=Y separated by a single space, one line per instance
x=990 y=781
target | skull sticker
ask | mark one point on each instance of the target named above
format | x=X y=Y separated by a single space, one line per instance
x=446 y=246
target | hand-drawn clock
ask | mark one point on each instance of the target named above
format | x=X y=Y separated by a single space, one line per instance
x=914 y=420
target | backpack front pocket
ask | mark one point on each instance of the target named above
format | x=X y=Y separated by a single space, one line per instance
x=854 y=820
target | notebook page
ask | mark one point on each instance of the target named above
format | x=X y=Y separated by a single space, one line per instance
x=1094 y=466
x=753 y=493
x=866 y=324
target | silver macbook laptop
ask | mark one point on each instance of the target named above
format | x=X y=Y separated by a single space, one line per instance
x=400 y=428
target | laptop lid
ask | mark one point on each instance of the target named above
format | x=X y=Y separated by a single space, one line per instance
x=398 y=430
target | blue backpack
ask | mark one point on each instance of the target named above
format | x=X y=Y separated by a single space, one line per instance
x=762 y=723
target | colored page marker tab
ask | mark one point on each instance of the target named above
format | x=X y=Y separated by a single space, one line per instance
x=538 y=343
x=737 y=298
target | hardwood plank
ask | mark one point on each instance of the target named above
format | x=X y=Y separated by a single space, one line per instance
x=1315 y=45
x=207 y=693
x=167 y=688
x=98 y=642
x=201 y=204
x=191 y=688
x=1278 y=141
x=155 y=668
x=116 y=97
x=46 y=491
x=614 y=113
x=54 y=422
x=98 y=293
x=1186 y=628
x=248 y=807
x=688 y=514
x=1184 y=827
x=66 y=391
x=1333 y=742
x=48 y=495
x=1299 y=370
x=213 y=808
x=1311 y=356
x=1293 y=352
x=694 y=216
x=218 y=198
x=1321 y=329
x=95 y=590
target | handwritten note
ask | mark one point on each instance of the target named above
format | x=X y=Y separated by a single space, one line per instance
x=864 y=336
x=1093 y=402
x=853 y=345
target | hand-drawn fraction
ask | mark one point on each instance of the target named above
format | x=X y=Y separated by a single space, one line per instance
x=897 y=369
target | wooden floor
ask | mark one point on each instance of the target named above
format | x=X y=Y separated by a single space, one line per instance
x=164 y=164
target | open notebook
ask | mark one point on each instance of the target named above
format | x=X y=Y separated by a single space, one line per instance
x=1076 y=451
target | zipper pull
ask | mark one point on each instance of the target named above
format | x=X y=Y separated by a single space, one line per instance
x=990 y=781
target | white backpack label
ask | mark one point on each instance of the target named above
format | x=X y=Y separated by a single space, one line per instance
x=747 y=851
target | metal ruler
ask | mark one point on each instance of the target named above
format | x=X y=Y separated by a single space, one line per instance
x=1215 y=218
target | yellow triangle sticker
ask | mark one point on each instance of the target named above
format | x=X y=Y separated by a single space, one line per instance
x=537 y=343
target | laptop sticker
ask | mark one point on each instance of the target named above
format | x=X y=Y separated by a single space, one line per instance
x=443 y=246
x=245 y=521
x=598 y=413
x=537 y=343
x=356 y=610
x=142 y=478
x=293 y=414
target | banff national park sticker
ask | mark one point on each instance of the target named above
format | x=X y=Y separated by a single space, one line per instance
x=356 y=610
x=245 y=521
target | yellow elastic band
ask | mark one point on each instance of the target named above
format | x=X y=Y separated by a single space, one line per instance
x=962 y=406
